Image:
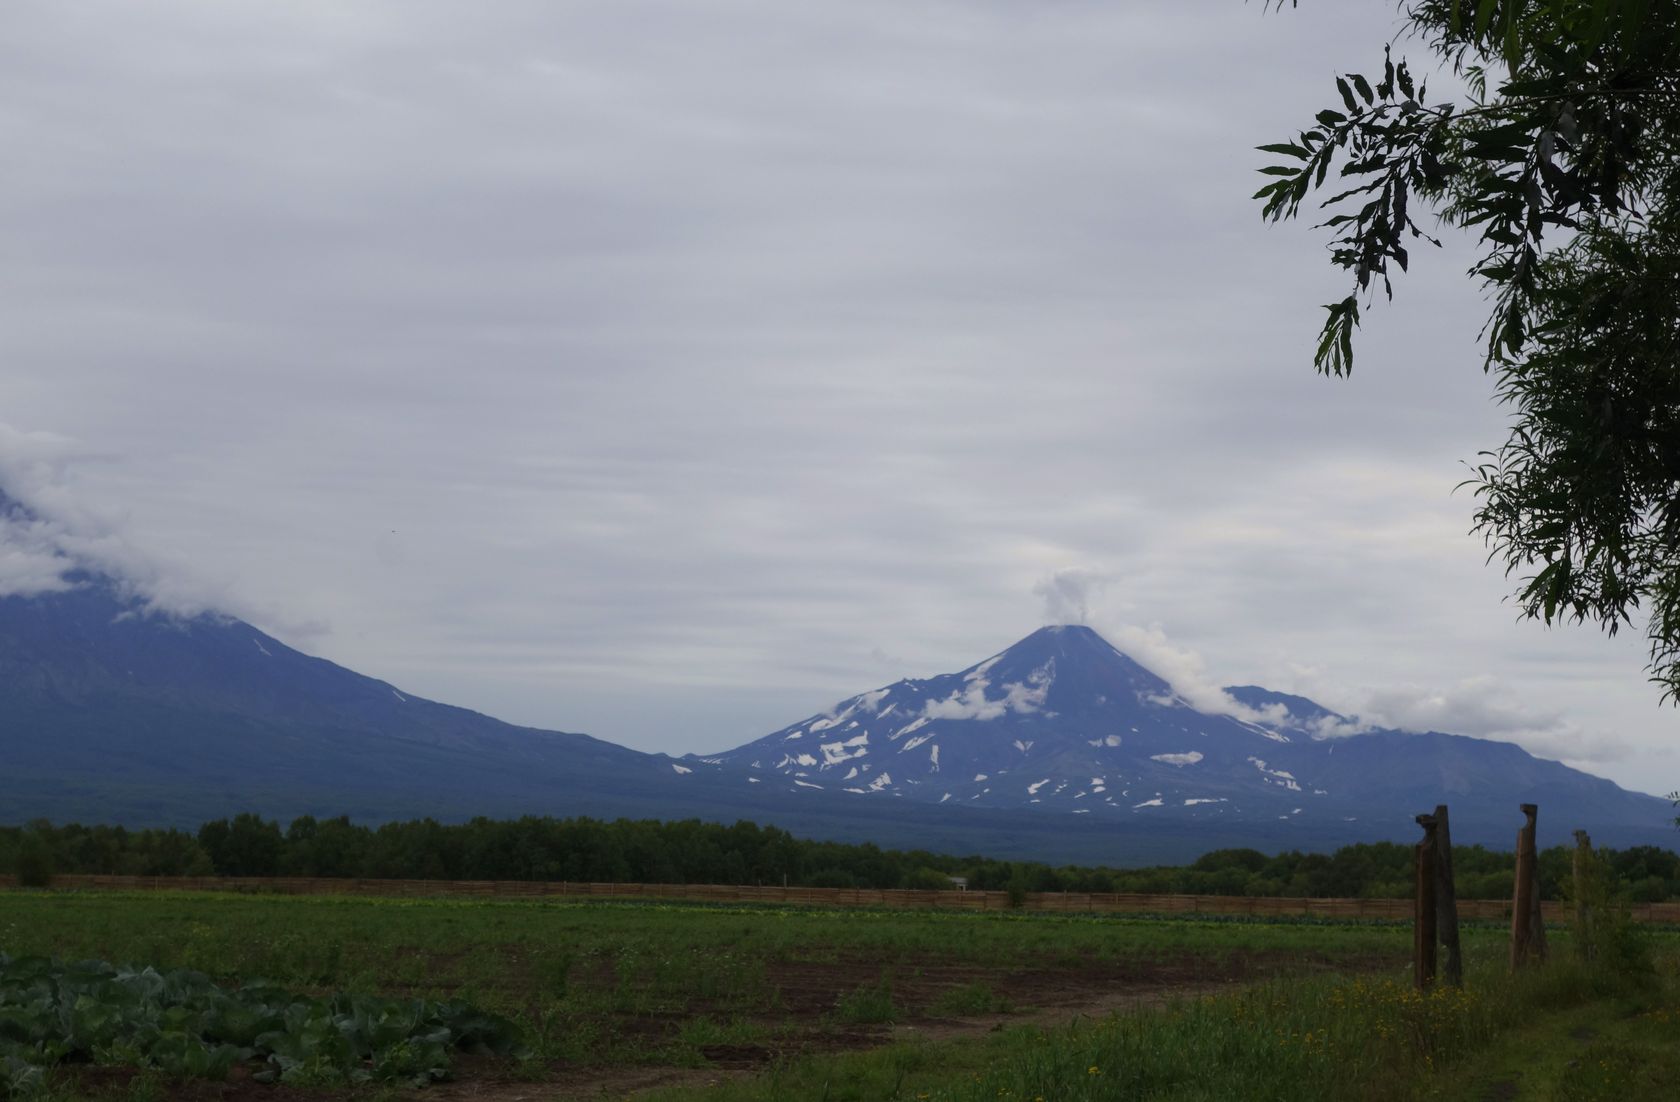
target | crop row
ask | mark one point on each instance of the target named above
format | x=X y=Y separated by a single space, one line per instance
x=184 y=1026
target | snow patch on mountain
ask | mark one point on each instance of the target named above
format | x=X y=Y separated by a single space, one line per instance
x=914 y=725
x=971 y=701
x=836 y=752
x=1276 y=776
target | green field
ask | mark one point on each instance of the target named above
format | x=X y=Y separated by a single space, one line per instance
x=730 y=1002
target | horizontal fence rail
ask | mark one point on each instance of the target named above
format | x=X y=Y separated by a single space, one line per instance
x=1110 y=902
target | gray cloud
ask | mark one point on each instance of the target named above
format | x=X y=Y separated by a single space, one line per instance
x=653 y=369
x=1067 y=594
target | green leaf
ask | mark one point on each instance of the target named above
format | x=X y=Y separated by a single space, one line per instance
x=1347 y=96
x=1502 y=135
x=1484 y=16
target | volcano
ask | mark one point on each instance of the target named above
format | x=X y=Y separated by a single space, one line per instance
x=1058 y=748
x=1064 y=722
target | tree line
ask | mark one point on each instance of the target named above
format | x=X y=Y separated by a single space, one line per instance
x=695 y=852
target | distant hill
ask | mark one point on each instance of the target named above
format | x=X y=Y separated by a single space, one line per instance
x=1064 y=722
x=1059 y=748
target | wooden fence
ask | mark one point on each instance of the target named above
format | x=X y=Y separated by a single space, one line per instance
x=1109 y=902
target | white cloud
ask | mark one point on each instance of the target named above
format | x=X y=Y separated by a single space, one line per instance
x=645 y=383
x=1186 y=671
x=1484 y=707
x=971 y=702
x=49 y=535
x=1068 y=593
x=29 y=562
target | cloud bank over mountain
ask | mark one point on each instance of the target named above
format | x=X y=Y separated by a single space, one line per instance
x=599 y=365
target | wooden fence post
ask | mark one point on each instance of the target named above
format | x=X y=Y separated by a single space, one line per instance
x=1525 y=898
x=1446 y=900
x=1582 y=868
x=1424 y=931
x=1537 y=947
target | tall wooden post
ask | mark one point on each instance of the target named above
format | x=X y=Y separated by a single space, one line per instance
x=1424 y=930
x=1582 y=869
x=1537 y=947
x=1446 y=901
x=1524 y=893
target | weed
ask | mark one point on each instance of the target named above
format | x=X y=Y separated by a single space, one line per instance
x=973 y=998
x=703 y=1031
x=871 y=1004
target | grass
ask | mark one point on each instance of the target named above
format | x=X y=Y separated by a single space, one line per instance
x=616 y=985
x=340 y=939
x=628 y=984
x=871 y=1004
x=1562 y=1032
x=969 y=1000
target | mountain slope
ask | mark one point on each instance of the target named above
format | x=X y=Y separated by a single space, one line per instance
x=1058 y=748
x=1061 y=718
x=1062 y=721
x=111 y=715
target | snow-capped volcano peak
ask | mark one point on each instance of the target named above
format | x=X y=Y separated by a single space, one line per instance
x=1062 y=721
x=1064 y=705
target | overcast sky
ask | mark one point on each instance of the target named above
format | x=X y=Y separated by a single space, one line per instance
x=670 y=370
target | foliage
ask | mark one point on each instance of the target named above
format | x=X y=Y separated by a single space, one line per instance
x=645 y=851
x=1566 y=139
x=604 y=983
x=972 y=998
x=1288 y=1040
x=248 y=846
x=33 y=861
x=186 y=1027
x=1602 y=930
x=1292 y=1040
x=871 y=1004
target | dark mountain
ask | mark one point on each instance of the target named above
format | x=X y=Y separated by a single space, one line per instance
x=1062 y=721
x=1059 y=748
x=209 y=713
x=109 y=714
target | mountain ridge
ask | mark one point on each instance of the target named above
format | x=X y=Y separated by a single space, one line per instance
x=112 y=711
x=1063 y=718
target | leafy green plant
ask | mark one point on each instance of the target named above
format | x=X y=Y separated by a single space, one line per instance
x=1603 y=929
x=34 y=861
x=973 y=998
x=183 y=1026
x=871 y=1004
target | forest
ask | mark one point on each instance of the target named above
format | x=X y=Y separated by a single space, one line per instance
x=695 y=852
